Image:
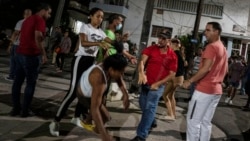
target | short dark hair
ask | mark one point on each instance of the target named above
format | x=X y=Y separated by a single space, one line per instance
x=116 y=61
x=42 y=6
x=216 y=26
x=113 y=17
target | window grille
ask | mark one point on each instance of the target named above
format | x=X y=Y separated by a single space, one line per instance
x=190 y=7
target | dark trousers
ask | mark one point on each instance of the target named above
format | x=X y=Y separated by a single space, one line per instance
x=60 y=56
x=13 y=61
x=78 y=66
x=26 y=67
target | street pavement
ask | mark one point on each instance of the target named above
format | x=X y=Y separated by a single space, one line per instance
x=228 y=122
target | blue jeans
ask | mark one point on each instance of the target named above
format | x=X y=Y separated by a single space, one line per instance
x=12 y=61
x=148 y=103
x=26 y=67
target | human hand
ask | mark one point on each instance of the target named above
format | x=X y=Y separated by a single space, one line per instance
x=44 y=59
x=9 y=48
x=154 y=86
x=142 y=79
x=126 y=102
x=186 y=84
x=133 y=60
x=104 y=45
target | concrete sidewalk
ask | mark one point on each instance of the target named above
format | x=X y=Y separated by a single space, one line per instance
x=46 y=102
x=51 y=89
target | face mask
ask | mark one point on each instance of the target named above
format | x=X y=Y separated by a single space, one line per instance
x=119 y=26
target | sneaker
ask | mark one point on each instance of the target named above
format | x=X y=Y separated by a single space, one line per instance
x=137 y=138
x=77 y=122
x=227 y=99
x=89 y=127
x=54 y=128
x=9 y=78
x=230 y=102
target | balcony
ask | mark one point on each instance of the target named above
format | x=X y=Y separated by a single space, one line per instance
x=111 y=6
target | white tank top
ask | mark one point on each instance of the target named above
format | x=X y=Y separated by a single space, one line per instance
x=85 y=86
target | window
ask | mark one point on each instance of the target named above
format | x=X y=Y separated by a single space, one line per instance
x=157 y=29
x=212 y=10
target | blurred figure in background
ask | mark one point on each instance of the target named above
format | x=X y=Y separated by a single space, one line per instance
x=14 y=43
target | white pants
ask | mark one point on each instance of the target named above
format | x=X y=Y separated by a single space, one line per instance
x=201 y=110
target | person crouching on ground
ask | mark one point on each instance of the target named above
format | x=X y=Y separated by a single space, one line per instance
x=93 y=86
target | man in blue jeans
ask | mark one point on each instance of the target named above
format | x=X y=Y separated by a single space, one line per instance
x=28 y=59
x=14 y=43
x=161 y=67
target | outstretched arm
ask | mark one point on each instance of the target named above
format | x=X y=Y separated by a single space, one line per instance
x=122 y=86
x=99 y=85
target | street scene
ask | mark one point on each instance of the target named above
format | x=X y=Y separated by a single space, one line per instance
x=228 y=124
x=121 y=70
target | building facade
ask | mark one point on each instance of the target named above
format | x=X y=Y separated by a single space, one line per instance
x=178 y=16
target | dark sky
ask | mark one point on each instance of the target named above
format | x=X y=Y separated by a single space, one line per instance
x=12 y=10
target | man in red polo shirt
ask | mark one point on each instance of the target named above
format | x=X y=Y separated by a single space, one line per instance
x=161 y=66
x=28 y=59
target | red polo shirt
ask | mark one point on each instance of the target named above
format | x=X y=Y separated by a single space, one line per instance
x=27 y=39
x=159 y=65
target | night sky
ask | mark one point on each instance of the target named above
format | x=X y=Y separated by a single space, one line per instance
x=12 y=10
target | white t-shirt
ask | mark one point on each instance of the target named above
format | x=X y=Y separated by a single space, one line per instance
x=93 y=35
x=18 y=28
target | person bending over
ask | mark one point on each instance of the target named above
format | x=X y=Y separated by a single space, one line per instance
x=92 y=88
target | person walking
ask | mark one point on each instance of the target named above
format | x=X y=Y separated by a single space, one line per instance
x=168 y=94
x=161 y=67
x=91 y=37
x=236 y=72
x=14 y=43
x=65 y=46
x=28 y=59
x=208 y=91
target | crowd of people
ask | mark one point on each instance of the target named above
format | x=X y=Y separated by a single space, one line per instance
x=100 y=59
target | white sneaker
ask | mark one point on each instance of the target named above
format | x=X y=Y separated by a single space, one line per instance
x=54 y=128
x=231 y=102
x=76 y=121
x=227 y=99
